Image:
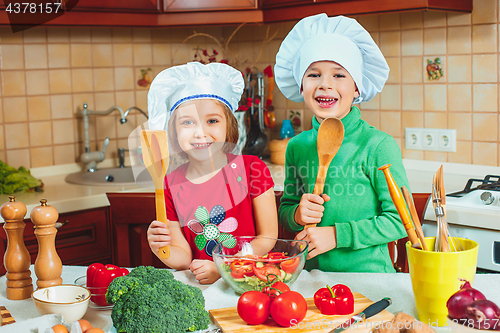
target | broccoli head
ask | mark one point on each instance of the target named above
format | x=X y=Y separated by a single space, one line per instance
x=150 y=300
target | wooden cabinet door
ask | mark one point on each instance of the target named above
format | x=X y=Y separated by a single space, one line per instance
x=131 y=214
x=82 y=238
x=204 y=5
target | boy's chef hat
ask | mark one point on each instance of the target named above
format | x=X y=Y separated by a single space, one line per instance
x=339 y=39
x=179 y=84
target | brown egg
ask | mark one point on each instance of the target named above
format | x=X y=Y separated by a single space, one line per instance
x=59 y=329
x=85 y=325
x=95 y=330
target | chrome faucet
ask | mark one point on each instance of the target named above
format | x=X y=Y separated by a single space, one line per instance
x=123 y=120
x=121 y=157
x=92 y=158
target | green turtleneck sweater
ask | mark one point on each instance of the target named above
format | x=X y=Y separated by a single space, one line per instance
x=360 y=205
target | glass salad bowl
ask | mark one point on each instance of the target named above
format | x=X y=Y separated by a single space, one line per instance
x=95 y=294
x=250 y=263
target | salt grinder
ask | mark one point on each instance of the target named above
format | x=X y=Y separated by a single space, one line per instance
x=48 y=265
x=17 y=258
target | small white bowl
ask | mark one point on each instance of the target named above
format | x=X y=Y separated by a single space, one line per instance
x=68 y=300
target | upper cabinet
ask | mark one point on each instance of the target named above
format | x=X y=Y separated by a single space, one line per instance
x=286 y=10
x=142 y=6
x=177 y=13
x=208 y=5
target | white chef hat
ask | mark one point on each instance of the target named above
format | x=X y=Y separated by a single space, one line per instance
x=339 y=39
x=179 y=84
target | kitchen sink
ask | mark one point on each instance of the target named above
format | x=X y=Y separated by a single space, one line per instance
x=110 y=176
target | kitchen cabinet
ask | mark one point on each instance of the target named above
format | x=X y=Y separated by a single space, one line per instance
x=207 y=5
x=82 y=238
x=287 y=10
x=177 y=13
x=142 y=6
x=131 y=214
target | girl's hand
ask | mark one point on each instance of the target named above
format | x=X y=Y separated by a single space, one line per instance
x=158 y=236
x=310 y=210
x=204 y=271
x=320 y=239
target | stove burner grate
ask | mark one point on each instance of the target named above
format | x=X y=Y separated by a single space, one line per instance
x=490 y=182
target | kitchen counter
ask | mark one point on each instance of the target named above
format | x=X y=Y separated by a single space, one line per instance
x=220 y=295
x=70 y=197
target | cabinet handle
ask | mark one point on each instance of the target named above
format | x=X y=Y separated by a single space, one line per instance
x=61 y=224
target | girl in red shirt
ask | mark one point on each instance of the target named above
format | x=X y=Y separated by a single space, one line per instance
x=216 y=195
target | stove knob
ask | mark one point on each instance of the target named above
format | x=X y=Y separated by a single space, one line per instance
x=487 y=198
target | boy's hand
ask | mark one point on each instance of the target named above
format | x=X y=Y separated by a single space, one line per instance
x=158 y=236
x=204 y=271
x=310 y=210
x=320 y=239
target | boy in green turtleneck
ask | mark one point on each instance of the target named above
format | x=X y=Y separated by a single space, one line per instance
x=330 y=64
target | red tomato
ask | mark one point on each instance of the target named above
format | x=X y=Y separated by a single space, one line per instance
x=276 y=289
x=289 y=308
x=253 y=307
x=263 y=272
x=289 y=266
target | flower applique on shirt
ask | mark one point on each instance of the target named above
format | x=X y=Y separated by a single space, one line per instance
x=212 y=229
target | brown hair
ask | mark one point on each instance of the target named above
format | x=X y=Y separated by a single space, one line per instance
x=232 y=132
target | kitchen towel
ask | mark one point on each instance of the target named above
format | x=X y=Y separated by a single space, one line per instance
x=34 y=325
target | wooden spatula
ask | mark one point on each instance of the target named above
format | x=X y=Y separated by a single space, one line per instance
x=155 y=155
x=330 y=137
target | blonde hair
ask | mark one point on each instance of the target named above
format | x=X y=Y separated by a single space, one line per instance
x=232 y=132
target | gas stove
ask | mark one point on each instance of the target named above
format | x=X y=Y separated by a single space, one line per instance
x=473 y=213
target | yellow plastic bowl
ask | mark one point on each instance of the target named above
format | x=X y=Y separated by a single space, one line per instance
x=435 y=276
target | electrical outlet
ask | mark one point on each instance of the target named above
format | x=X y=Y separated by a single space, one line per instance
x=434 y=139
x=447 y=140
x=429 y=139
x=413 y=138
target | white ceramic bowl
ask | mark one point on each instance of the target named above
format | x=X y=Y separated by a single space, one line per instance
x=70 y=301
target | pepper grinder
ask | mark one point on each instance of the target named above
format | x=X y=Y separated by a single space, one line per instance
x=17 y=258
x=48 y=265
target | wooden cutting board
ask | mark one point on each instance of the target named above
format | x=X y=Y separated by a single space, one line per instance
x=228 y=321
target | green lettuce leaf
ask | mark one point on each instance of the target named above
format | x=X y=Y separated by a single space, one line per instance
x=17 y=180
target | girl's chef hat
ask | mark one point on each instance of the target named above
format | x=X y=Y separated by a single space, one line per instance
x=179 y=84
x=339 y=39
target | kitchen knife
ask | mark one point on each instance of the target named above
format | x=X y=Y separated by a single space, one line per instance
x=365 y=314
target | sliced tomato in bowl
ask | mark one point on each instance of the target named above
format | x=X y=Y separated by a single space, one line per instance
x=289 y=266
x=241 y=268
x=263 y=272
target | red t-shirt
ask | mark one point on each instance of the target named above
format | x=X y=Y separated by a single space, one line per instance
x=220 y=208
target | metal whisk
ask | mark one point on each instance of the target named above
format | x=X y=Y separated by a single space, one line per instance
x=445 y=241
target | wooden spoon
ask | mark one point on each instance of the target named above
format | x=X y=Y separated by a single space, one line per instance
x=155 y=155
x=414 y=216
x=330 y=137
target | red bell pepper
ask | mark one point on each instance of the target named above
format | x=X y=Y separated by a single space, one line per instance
x=99 y=277
x=337 y=300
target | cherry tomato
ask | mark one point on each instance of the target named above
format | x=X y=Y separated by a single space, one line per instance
x=253 y=307
x=277 y=288
x=289 y=308
x=263 y=272
x=289 y=266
